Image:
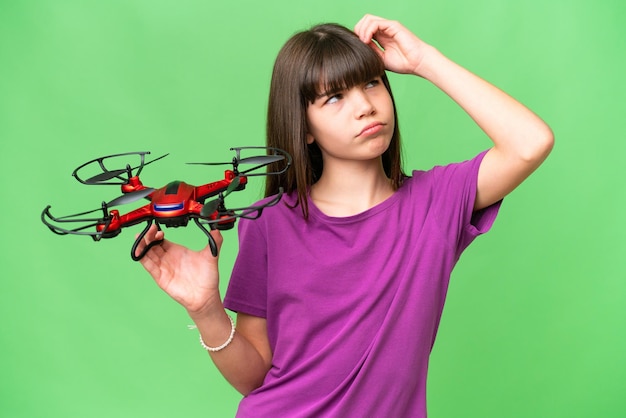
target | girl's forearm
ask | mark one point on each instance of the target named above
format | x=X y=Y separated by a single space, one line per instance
x=511 y=126
x=240 y=362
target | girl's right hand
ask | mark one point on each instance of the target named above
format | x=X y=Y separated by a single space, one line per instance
x=189 y=277
x=401 y=51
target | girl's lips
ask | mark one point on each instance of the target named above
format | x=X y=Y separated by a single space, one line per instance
x=371 y=129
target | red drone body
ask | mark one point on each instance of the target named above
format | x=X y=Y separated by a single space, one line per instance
x=172 y=205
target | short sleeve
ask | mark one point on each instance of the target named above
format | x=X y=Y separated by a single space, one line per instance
x=247 y=289
x=455 y=190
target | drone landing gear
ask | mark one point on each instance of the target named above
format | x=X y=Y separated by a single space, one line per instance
x=133 y=250
x=212 y=243
x=140 y=237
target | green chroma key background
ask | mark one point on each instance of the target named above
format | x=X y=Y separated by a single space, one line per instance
x=534 y=322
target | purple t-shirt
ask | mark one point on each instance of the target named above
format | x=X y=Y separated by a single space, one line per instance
x=353 y=303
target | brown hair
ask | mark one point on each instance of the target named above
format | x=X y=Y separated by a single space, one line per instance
x=328 y=57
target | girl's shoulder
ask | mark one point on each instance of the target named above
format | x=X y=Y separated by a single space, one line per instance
x=444 y=172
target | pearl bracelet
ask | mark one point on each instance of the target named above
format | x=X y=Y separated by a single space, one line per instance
x=228 y=341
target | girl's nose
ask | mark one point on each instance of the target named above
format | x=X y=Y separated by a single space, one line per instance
x=363 y=105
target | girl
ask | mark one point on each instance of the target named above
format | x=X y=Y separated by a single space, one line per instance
x=339 y=289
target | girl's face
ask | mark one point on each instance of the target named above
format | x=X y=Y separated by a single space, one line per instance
x=352 y=124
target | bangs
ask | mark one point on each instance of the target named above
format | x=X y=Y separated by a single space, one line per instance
x=337 y=63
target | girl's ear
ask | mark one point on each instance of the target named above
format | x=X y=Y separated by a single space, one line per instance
x=309 y=139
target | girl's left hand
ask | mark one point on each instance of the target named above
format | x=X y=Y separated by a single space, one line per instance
x=401 y=51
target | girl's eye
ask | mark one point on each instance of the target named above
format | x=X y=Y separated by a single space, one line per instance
x=372 y=83
x=334 y=98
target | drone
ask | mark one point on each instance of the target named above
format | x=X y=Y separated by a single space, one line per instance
x=172 y=205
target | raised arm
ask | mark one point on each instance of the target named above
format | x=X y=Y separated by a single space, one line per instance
x=521 y=139
x=192 y=279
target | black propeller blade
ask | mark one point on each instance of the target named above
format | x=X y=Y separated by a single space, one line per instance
x=141 y=166
x=260 y=159
x=107 y=175
x=121 y=200
x=249 y=212
x=228 y=163
x=130 y=197
x=214 y=204
x=210 y=207
x=232 y=186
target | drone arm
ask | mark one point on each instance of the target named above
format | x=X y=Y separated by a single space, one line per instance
x=212 y=189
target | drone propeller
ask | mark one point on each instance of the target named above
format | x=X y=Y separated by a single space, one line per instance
x=47 y=217
x=248 y=212
x=210 y=207
x=130 y=197
x=107 y=175
x=260 y=159
x=265 y=160
x=85 y=223
x=141 y=166
x=121 y=174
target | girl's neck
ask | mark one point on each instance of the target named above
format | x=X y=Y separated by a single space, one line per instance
x=351 y=188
